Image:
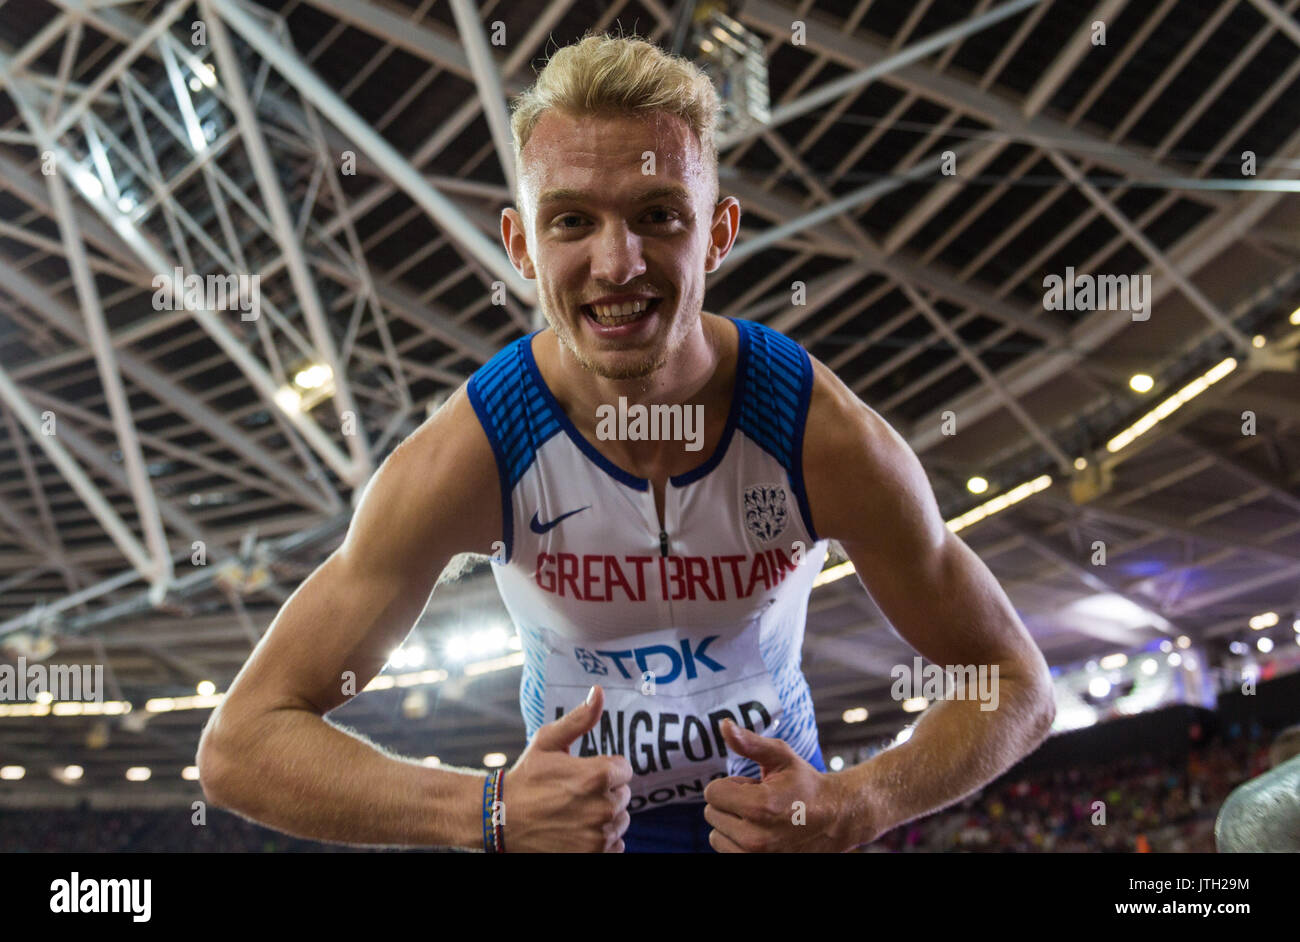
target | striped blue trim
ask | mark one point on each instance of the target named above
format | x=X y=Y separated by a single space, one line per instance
x=510 y=406
x=563 y=421
x=778 y=379
x=532 y=682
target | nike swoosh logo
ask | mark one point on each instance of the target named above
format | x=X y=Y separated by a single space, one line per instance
x=539 y=527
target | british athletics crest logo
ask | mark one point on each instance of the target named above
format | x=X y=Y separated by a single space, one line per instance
x=765 y=510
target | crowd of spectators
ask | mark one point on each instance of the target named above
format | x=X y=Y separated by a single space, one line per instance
x=1131 y=804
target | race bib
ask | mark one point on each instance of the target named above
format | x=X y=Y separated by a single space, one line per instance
x=666 y=696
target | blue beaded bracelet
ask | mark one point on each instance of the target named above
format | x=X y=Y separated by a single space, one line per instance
x=493 y=832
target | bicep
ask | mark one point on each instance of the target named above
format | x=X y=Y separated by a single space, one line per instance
x=942 y=600
x=935 y=592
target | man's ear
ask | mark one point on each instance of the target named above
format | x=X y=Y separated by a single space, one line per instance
x=514 y=234
x=722 y=231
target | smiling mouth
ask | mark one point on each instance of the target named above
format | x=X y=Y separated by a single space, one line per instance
x=620 y=320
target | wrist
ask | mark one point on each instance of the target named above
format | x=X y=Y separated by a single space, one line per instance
x=854 y=817
x=494 y=812
x=458 y=809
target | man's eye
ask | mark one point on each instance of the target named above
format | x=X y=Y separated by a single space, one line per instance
x=671 y=214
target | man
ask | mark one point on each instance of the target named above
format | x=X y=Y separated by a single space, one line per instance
x=659 y=586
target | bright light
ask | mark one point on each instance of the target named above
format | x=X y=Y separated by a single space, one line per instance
x=288 y=400
x=836 y=763
x=1113 y=661
x=1099 y=687
x=1263 y=620
x=1080 y=463
x=856 y=715
x=1141 y=382
x=1258 y=341
x=87 y=182
x=431 y=762
x=312 y=377
x=1295 y=625
x=71 y=773
x=207 y=75
x=1295 y=316
x=1265 y=645
x=195 y=84
x=45 y=698
x=832 y=573
x=903 y=736
x=1000 y=503
x=125 y=203
x=1175 y=659
x=1172 y=404
x=494 y=760
x=1149 y=666
x=977 y=485
x=12 y=773
x=476 y=644
x=190 y=773
x=138 y=773
x=1075 y=716
x=409 y=655
x=1090 y=666
x=915 y=704
x=1184 y=642
x=1166 y=646
x=1237 y=648
x=206 y=688
x=1189 y=663
x=515 y=644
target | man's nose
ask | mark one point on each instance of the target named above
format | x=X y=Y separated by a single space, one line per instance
x=617 y=257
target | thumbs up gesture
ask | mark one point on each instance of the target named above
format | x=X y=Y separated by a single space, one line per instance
x=558 y=802
x=793 y=807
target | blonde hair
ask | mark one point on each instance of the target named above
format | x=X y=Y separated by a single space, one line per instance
x=603 y=74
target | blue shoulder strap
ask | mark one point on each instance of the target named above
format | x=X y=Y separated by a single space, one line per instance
x=778 y=387
x=515 y=418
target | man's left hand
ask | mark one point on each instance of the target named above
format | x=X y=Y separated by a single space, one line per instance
x=793 y=807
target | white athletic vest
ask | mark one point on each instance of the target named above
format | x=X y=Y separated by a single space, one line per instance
x=681 y=627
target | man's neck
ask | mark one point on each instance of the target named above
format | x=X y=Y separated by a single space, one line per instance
x=684 y=379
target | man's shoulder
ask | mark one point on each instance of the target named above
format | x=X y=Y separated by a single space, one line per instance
x=851 y=455
x=452 y=437
x=839 y=422
x=433 y=496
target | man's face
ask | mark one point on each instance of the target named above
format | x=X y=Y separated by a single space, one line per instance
x=618 y=205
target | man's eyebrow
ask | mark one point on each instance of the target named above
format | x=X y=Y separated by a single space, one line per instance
x=571 y=195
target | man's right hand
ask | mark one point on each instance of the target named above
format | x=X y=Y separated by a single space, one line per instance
x=558 y=802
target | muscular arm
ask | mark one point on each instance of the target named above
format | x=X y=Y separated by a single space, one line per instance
x=867 y=490
x=267 y=752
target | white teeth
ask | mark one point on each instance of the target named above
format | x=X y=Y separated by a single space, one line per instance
x=618 y=313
